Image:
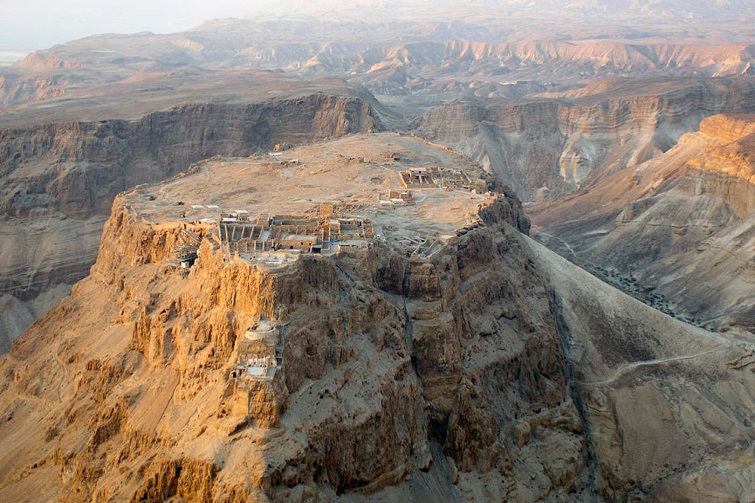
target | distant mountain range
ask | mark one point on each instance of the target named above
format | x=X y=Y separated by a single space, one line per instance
x=664 y=8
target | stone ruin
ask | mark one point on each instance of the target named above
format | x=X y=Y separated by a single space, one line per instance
x=420 y=177
x=435 y=177
x=396 y=198
x=274 y=241
x=260 y=361
x=260 y=351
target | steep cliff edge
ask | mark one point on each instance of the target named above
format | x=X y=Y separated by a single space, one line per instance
x=681 y=226
x=549 y=147
x=733 y=156
x=390 y=364
x=59 y=180
x=425 y=350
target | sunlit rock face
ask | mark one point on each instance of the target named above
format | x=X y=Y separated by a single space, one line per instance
x=676 y=230
x=567 y=141
x=449 y=349
x=59 y=180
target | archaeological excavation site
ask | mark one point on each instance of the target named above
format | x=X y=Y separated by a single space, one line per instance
x=378 y=252
x=387 y=330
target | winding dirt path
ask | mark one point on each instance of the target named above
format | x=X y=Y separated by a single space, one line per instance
x=623 y=369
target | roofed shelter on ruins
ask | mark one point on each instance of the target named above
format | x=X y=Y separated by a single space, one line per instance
x=276 y=240
x=446 y=179
x=419 y=177
x=260 y=358
x=396 y=198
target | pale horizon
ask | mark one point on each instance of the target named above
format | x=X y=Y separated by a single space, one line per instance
x=39 y=24
x=23 y=29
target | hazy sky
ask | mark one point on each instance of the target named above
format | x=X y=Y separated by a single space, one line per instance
x=35 y=24
x=27 y=25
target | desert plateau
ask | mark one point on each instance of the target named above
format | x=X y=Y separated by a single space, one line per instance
x=381 y=252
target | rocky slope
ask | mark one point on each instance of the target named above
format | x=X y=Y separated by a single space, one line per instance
x=677 y=230
x=57 y=181
x=83 y=120
x=668 y=407
x=481 y=372
x=548 y=147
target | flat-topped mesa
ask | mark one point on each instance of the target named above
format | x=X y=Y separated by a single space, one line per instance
x=247 y=247
x=352 y=352
x=327 y=201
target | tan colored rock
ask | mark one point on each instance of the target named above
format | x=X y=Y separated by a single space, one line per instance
x=676 y=230
x=531 y=381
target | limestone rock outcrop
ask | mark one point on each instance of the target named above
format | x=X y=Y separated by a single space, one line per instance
x=490 y=369
x=392 y=365
x=59 y=180
x=560 y=142
x=677 y=231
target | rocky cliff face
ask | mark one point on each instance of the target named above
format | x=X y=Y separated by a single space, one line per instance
x=680 y=225
x=392 y=365
x=546 y=148
x=47 y=160
x=58 y=180
x=480 y=372
x=732 y=156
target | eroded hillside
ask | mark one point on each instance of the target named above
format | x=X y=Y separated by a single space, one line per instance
x=490 y=51
x=365 y=319
x=84 y=120
x=676 y=230
x=386 y=332
x=557 y=143
x=59 y=179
